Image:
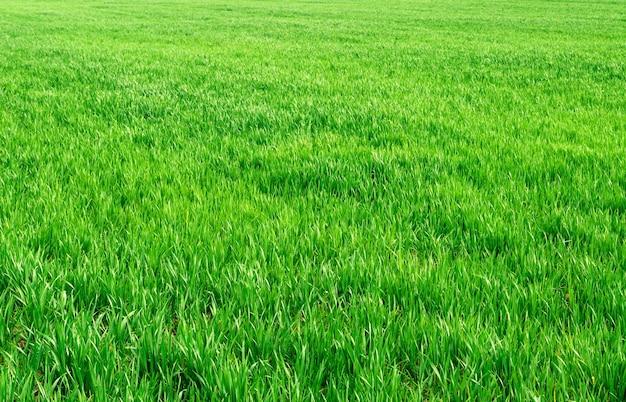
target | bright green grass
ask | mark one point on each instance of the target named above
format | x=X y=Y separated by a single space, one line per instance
x=313 y=200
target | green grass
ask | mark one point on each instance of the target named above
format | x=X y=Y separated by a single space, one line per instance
x=294 y=200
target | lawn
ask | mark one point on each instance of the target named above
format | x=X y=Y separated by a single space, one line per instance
x=312 y=200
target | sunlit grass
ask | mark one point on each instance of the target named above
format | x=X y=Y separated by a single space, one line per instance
x=312 y=200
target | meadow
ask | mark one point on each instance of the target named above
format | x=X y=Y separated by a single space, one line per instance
x=312 y=200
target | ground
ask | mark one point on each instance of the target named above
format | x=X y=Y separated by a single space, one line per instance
x=312 y=200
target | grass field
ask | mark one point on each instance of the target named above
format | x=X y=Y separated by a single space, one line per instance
x=294 y=200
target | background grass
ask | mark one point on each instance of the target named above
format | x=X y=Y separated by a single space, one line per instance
x=312 y=200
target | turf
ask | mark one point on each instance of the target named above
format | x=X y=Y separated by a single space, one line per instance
x=309 y=200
